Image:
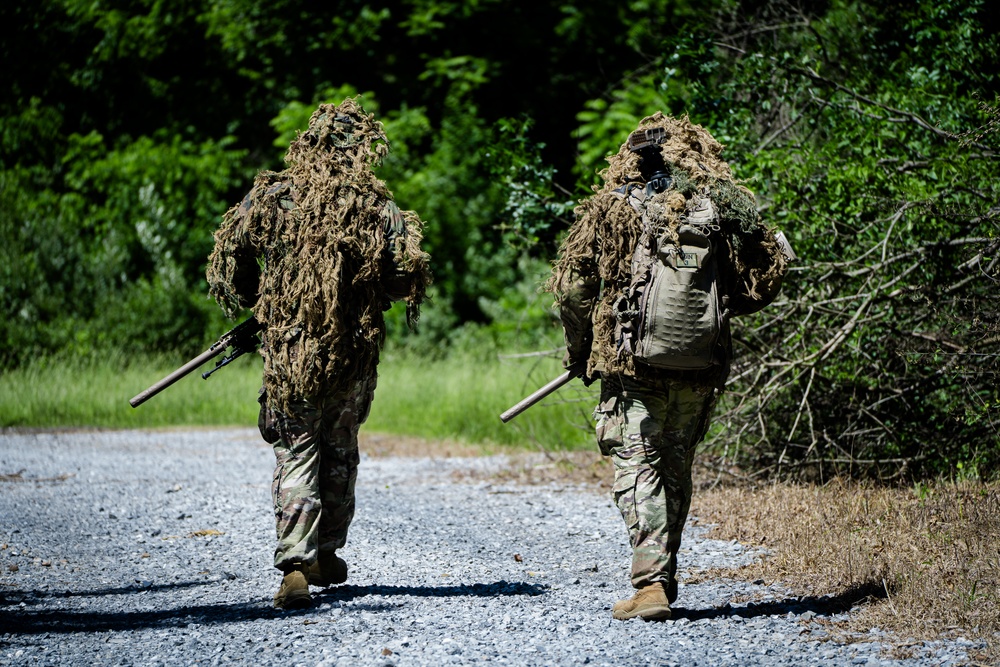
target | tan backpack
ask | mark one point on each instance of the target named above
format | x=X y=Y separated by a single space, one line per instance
x=672 y=316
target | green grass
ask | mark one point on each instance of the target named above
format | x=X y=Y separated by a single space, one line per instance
x=461 y=398
x=81 y=393
x=457 y=398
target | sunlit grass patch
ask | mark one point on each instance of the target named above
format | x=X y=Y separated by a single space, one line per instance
x=928 y=555
x=461 y=397
x=455 y=398
x=94 y=393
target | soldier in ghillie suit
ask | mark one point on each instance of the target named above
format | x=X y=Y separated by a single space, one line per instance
x=649 y=420
x=318 y=251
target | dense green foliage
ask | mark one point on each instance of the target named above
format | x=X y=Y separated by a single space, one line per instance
x=129 y=127
x=871 y=135
x=867 y=129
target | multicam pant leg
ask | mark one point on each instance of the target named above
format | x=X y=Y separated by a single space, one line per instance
x=650 y=430
x=316 y=454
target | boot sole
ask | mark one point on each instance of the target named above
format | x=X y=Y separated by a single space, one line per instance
x=316 y=577
x=657 y=613
x=315 y=580
x=294 y=602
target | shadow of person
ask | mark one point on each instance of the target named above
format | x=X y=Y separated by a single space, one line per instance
x=15 y=619
x=346 y=593
x=822 y=605
x=16 y=597
x=64 y=622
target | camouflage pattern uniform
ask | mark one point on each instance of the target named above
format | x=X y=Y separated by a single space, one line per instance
x=316 y=454
x=650 y=429
x=318 y=251
x=649 y=423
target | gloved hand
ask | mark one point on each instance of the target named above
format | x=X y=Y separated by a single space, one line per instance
x=573 y=361
x=578 y=364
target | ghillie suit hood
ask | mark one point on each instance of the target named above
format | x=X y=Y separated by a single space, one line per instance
x=317 y=242
x=608 y=228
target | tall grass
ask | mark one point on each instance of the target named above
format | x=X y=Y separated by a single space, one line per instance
x=94 y=392
x=461 y=397
x=456 y=398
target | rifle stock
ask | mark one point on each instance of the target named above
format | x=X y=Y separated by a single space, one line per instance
x=242 y=338
x=538 y=395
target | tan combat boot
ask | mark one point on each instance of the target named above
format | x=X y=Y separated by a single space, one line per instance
x=294 y=591
x=328 y=570
x=649 y=603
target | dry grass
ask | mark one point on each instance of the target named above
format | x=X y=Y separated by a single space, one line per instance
x=921 y=563
x=924 y=559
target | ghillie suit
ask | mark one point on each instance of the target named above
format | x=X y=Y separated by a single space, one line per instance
x=664 y=185
x=608 y=228
x=316 y=251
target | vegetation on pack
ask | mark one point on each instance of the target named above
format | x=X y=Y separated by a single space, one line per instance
x=868 y=132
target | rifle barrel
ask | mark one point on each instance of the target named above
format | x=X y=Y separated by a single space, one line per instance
x=528 y=401
x=144 y=396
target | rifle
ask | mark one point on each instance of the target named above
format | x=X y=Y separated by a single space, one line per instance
x=528 y=401
x=242 y=338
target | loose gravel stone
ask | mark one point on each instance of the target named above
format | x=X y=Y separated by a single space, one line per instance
x=154 y=548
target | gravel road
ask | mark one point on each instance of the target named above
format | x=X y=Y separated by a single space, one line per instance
x=154 y=548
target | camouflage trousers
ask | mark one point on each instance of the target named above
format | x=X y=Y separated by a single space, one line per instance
x=316 y=455
x=650 y=430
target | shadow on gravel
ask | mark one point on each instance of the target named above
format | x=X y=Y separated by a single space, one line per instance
x=820 y=605
x=17 y=597
x=62 y=622
x=497 y=589
x=32 y=622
